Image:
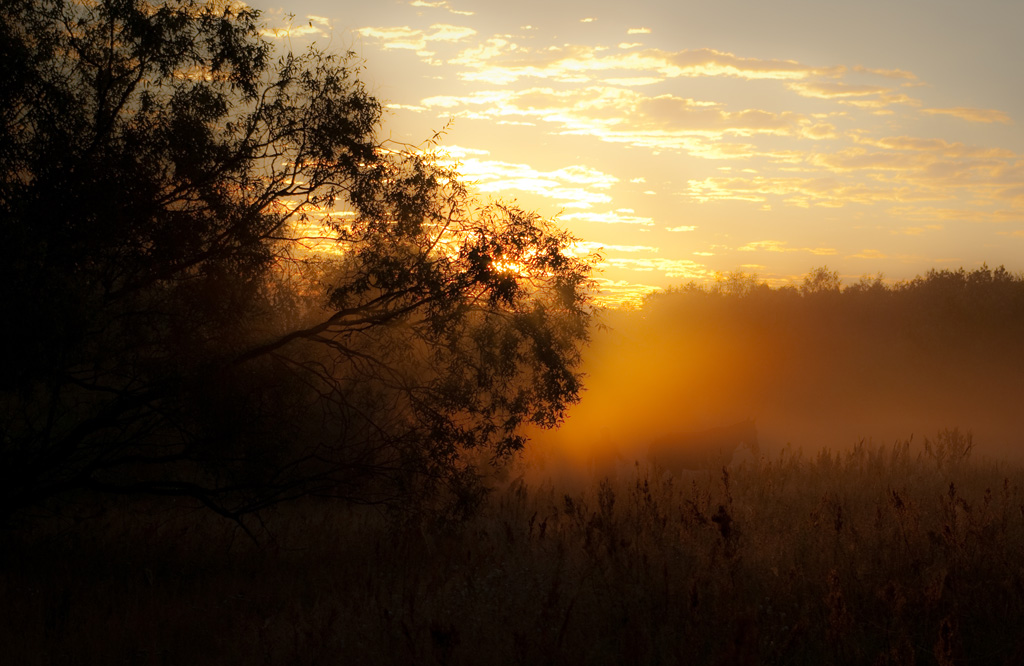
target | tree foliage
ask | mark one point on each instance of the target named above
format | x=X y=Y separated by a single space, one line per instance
x=225 y=286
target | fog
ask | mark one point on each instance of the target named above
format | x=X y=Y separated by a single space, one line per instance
x=816 y=367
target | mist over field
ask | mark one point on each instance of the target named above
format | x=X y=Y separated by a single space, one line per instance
x=819 y=366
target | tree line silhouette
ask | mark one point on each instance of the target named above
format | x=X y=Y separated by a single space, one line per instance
x=941 y=311
x=817 y=364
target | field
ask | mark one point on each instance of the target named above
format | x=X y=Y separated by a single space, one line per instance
x=876 y=555
x=818 y=548
x=282 y=386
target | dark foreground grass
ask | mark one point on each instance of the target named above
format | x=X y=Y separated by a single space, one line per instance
x=876 y=556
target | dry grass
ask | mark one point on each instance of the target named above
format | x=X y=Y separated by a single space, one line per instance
x=875 y=556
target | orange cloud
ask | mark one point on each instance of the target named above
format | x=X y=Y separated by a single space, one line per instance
x=587 y=247
x=614 y=293
x=500 y=61
x=615 y=217
x=573 y=186
x=619 y=115
x=835 y=89
x=783 y=246
x=672 y=268
x=972 y=115
x=938 y=146
x=441 y=4
x=887 y=73
x=413 y=39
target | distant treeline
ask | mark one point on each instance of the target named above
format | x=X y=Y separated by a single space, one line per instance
x=819 y=363
x=942 y=302
x=947 y=311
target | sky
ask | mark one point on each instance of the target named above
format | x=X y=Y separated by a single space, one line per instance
x=686 y=139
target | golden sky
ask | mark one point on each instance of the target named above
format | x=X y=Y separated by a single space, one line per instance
x=690 y=138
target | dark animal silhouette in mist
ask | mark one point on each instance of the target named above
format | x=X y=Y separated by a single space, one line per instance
x=704 y=449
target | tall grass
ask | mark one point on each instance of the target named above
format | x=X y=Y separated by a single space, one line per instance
x=879 y=555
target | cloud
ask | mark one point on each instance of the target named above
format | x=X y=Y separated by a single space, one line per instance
x=573 y=186
x=502 y=62
x=441 y=4
x=638 y=31
x=783 y=246
x=865 y=96
x=682 y=228
x=917 y=231
x=854 y=159
x=925 y=168
x=870 y=254
x=817 y=131
x=676 y=113
x=804 y=191
x=405 y=107
x=972 y=115
x=614 y=293
x=936 y=214
x=887 y=73
x=633 y=82
x=835 y=89
x=709 y=62
x=615 y=217
x=936 y=146
x=316 y=26
x=414 y=39
x=592 y=246
x=619 y=115
x=671 y=268
x=449 y=152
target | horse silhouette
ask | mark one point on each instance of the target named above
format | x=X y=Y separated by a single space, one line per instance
x=704 y=449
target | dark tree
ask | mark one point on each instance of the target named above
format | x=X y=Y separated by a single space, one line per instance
x=220 y=284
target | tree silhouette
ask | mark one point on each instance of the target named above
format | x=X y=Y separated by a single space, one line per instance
x=821 y=280
x=226 y=287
